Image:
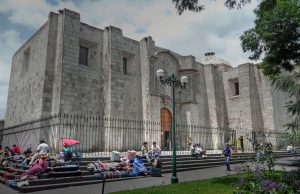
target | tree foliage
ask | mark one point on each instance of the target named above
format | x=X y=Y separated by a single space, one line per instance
x=191 y=5
x=236 y=4
x=196 y=6
x=276 y=39
x=290 y=83
x=276 y=35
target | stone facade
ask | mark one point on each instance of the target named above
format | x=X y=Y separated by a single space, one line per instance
x=47 y=79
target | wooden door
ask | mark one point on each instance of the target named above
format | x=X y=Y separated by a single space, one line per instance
x=166 y=127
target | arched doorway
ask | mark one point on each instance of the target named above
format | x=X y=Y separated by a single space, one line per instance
x=166 y=127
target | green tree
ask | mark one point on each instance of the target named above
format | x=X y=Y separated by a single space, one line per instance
x=195 y=6
x=275 y=39
x=276 y=35
x=290 y=83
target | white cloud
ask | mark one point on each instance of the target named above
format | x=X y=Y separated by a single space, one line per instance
x=30 y=13
x=4 y=77
x=216 y=28
x=155 y=18
x=10 y=42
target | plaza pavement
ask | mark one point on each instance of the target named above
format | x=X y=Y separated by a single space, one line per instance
x=282 y=164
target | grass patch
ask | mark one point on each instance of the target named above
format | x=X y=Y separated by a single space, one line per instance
x=208 y=186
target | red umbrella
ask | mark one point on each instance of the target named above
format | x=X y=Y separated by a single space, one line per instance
x=70 y=142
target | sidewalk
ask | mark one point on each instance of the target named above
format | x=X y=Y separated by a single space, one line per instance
x=152 y=181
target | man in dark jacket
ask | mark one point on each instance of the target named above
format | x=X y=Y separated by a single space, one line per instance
x=227 y=154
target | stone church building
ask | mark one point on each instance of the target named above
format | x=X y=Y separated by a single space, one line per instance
x=71 y=67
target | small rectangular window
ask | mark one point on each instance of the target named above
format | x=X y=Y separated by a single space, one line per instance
x=83 y=55
x=124 y=65
x=26 y=60
x=236 y=87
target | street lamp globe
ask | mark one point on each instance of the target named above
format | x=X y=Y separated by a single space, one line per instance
x=184 y=80
x=160 y=73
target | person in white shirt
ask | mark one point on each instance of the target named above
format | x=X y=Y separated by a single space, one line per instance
x=198 y=151
x=42 y=148
x=155 y=150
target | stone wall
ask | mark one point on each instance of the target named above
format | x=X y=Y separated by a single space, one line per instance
x=131 y=92
x=80 y=84
x=47 y=79
x=258 y=106
x=212 y=84
x=233 y=102
x=147 y=68
x=242 y=108
x=256 y=111
x=25 y=95
x=47 y=99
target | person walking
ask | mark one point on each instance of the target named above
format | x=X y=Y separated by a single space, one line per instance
x=258 y=148
x=227 y=154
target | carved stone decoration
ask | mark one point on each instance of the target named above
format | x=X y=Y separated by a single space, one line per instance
x=170 y=65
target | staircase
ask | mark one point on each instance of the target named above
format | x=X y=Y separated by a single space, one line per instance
x=61 y=176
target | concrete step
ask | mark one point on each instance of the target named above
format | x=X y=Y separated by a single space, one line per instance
x=56 y=180
x=67 y=184
x=65 y=174
x=180 y=169
x=187 y=165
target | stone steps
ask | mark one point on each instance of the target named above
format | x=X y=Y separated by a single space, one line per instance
x=67 y=184
x=61 y=176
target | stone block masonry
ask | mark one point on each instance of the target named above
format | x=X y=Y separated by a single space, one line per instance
x=69 y=67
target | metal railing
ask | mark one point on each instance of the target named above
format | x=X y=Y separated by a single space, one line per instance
x=99 y=134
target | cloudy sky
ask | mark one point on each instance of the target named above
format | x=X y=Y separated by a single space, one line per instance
x=215 y=29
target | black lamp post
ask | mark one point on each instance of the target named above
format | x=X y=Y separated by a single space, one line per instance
x=172 y=81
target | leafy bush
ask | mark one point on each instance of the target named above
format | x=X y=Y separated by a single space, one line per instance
x=261 y=178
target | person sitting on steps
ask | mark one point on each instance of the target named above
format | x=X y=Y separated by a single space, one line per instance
x=155 y=150
x=145 y=151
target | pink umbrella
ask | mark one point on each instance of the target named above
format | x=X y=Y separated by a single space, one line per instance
x=70 y=142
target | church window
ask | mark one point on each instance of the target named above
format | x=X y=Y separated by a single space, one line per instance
x=124 y=65
x=127 y=63
x=26 y=60
x=83 y=55
x=236 y=87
